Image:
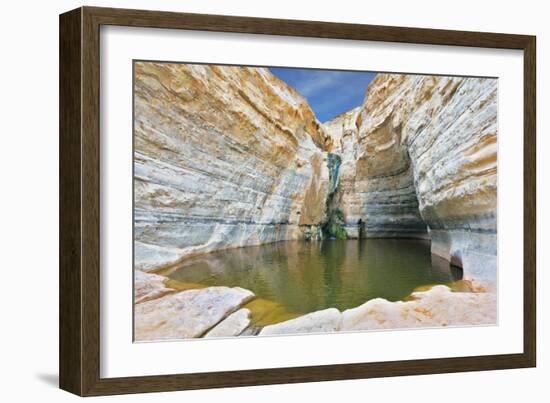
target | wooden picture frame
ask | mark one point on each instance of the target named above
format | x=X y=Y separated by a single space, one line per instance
x=79 y=348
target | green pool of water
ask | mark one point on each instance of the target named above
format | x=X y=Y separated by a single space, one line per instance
x=302 y=277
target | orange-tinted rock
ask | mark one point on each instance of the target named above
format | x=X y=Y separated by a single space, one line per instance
x=224 y=157
x=424 y=158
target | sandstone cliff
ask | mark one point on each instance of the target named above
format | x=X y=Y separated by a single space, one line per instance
x=343 y=132
x=231 y=156
x=224 y=157
x=424 y=160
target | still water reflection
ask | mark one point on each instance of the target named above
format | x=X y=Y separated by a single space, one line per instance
x=303 y=277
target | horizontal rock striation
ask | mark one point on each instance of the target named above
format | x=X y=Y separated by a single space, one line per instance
x=230 y=156
x=224 y=157
x=343 y=132
x=419 y=160
x=427 y=146
x=376 y=192
x=378 y=196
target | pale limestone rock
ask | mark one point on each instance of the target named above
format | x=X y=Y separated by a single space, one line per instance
x=377 y=193
x=327 y=320
x=343 y=132
x=448 y=126
x=148 y=256
x=187 y=313
x=149 y=286
x=224 y=157
x=233 y=325
x=229 y=157
x=436 y=307
x=424 y=158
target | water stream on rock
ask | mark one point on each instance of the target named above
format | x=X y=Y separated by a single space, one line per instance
x=299 y=277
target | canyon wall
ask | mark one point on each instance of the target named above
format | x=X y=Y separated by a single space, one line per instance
x=231 y=156
x=223 y=157
x=343 y=133
x=425 y=159
x=377 y=193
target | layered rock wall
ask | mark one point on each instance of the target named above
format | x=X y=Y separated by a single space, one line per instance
x=224 y=157
x=232 y=156
x=425 y=158
x=377 y=194
x=343 y=133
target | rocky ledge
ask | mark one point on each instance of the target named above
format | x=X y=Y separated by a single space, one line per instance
x=436 y=307
x=169 y=313
x=173 y=314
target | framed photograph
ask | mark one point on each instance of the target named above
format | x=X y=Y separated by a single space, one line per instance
x=249 y=201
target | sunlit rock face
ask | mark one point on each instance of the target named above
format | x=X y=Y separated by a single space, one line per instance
x=224 y=157
x=343 y=133
x=376 y=192
x=436 y=307
x=188 y=313
x=427 y=146
x=231 y=156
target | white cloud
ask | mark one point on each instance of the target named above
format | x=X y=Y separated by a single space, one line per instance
x=318 y=82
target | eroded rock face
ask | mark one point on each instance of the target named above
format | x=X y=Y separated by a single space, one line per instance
x=343 y=132
x=378 y=196
x=231 y=156
x=445 y=130
x=228 y=157
x=149 y=286
x=187 y=313
x=421 y=162
x=438 y=306
x=224 y=157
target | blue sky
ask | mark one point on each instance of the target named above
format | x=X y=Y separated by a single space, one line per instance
x=329 y=92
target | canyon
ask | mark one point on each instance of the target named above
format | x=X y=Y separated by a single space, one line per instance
x=435 y=138
x=224 y=157
x=228 y=157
